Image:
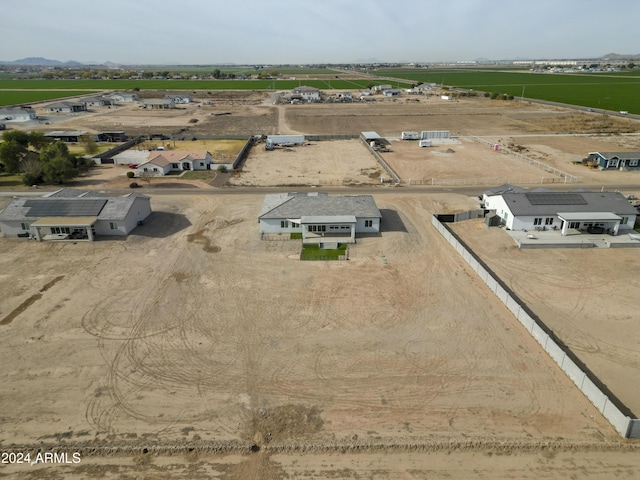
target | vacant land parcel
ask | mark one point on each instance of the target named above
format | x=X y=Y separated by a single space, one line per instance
x=335 y=162
x=562 y=287
x=232 y=341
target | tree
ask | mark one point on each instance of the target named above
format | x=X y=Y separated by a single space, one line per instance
x=88 y=144
x=11 y=154
x=147 y=176
x=57 y=149
x=37 y=140
x=17 y=136
x=58 y=170
x=31 y=169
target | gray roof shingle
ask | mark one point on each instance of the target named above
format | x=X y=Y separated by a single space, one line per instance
x=299 y=205
x=549 y=203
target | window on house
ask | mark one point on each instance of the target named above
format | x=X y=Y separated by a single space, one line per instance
x=284 y=224
x=25 y=226
x=548 y=221
x=113 y=225
x=202 y=164
x=537 y=221
x=633 y=162
x=368 y=223
x=624 y=220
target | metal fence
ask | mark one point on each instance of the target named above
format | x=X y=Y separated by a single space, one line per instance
x=604 y=400
x=485 y=181
x=566 y=177
x=388 y=169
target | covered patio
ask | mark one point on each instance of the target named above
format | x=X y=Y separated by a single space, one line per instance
x=64 y=228
x=321 y=229
x=576 y=222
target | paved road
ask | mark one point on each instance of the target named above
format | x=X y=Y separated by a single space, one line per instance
x=469 y=190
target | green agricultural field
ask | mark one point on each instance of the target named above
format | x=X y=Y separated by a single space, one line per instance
x=26 y=91
x=598 y=91
x=20 y=97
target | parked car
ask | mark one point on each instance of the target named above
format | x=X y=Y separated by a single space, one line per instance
x=133 y=165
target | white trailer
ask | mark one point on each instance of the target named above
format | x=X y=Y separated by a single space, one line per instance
x=425 y=143
x=283 y=141
x=410 y=136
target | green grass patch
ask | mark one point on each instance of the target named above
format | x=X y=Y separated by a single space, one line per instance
x=296 y=236
x=206 y=175
x=8 y=181
x=20 y=97
x=314 y=252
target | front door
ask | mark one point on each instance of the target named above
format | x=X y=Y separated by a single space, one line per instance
x=186 y=166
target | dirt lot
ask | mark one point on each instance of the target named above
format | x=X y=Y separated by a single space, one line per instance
x=223 y=339
x=465 y=162
x=195 y=340
x=568 y=294
x=337 y=162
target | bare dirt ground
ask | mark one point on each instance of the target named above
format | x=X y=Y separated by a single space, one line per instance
x=224 y=340
x=169 y=354
x=466 y=162
x=568 y=294
x=336 y=162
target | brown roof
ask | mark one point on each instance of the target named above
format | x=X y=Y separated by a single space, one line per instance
x=162 y=158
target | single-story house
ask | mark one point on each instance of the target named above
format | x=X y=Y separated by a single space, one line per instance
x=161 y=162
x=179 y=98
x=309 y=94
x=392 y=92
x=572 y=212
x=123 y=97
x=158 y=103
x=17 y=114
x=609 y=160
x=65 y=107
x=70 y=136
x=381 y=88
x=69 y=214
x=97 y=101
x=506 y=188
x=320 y=218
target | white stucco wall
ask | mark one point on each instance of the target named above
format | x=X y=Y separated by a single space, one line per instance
x=375 y=227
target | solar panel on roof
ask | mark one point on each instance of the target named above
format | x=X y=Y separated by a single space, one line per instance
x=555 y=199
x=63 y=207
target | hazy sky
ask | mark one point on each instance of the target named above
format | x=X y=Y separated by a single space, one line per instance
x=314 y=31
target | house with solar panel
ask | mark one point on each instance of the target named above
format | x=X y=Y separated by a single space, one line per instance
x=69 y=214
x=568 y=213
x=320 y=219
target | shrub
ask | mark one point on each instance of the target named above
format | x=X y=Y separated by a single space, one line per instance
x=134 y=185
x=130 y=174
x=223 y=169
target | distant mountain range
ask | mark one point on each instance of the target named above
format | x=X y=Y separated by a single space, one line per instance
x=45 y=62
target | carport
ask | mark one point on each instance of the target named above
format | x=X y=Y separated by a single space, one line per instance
x=64 y=228
x=583 y=220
